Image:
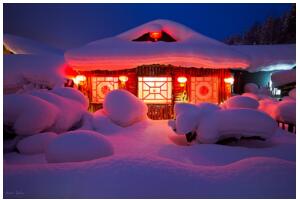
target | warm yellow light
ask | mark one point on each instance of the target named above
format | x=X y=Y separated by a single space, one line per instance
x=123 y=79
x=181 y=79
x=229 y=80
x=79 y=78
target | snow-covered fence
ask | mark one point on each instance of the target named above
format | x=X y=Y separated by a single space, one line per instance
x=287 y=126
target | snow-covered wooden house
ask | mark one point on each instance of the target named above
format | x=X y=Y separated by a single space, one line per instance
x=161 y=62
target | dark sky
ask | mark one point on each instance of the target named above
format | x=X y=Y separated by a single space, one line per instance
x=71 y=25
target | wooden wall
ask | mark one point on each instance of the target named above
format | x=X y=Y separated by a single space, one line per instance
x=159 y=111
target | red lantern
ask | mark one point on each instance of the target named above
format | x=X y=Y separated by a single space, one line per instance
x=79 y=79
x=123 y=79
x=229 y=80
x=182 y=80
x=155 y=35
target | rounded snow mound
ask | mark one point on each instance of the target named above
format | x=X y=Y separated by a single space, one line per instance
x=28 y=115
x=251 y=95
x=72 y=94
x=103 y=124
x=76 y=146
x=123 y=108
x=251 y=88
x=241 y=102
x=35 y=144
x=286 y=111
x=235 y=123
x=268 y=106
x=208 y=107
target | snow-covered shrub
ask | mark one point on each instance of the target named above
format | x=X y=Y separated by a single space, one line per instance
x=268 y=106
x=73 y=94
x=240 y=102
x=251 y=95
x=70 y=111
x=86 y=122
x=123 y=108
x=286 y=111
x=184 y=108
x=28 y=114
x=236 y=123
x=76 y=146
x=251 y=88
x=292 y=93
x=35 y=144
x=103 y=124
x=208 y=107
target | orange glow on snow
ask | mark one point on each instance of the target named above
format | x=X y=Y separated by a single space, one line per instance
x=155 y=35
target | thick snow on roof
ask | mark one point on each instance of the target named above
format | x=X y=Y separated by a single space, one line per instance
x=191 y=49
x=20 y=45
x=269 y=57
x=283 y=77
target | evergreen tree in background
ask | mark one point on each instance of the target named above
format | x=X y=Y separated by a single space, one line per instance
x=281 y=30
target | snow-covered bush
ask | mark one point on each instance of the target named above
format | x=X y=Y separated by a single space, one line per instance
x=208 y=107
x=123 y=108
x=103 y=124
x=35 y=144
x=236 y=123
x=70 y=111
x=286 y=111
x=251 y=95
x=76 y=146
x=251 y=88
x=28 y=114
x=184 y=108
x=268 y=106
x=73 y=94
x=240 y=102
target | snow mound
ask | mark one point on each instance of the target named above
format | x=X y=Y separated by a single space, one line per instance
x=235 y=123
x=73 y=94
x=189 y=115
x=240 y=102
x=70 y=112
x=286 y=111
x=251 y=88
x=39 y=71
x=268 y=106
x=251 y=95
x=76 y=146
x=292 y=93
x=103 y=124
x=35 y=144
x=123 y=108
x=28 y=114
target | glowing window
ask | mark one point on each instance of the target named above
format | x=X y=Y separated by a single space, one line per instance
x=204 y=89
x=101 y=86
x=156 y=90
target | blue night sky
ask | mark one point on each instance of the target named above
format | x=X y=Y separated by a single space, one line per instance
x=71 y=25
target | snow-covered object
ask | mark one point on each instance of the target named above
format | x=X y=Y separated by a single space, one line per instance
x=70 y=111
x=86 y=122
x=123 y=108
x=240 y=101
x=73 y=94
x=10 y=145
x=42 y=71
x=251 y=88
x=191 y=49
x=269 y=57
x=236 y=123
x=286 y=111
x=188 y=116
x=28 y=114
x=292 y=93
x=21 y=45
x=283 y=77
x=287 y=98
x=35 y=144
x=268 y=106
x=103 y=124
x=76 y=146
x=251 y=95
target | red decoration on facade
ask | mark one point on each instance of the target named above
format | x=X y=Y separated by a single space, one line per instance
x=203 y=90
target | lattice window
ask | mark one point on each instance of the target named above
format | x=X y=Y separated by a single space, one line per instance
x=155 y=90
x=101 y=86
x=204 y=89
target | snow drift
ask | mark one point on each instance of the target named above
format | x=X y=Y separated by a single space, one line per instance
x=80 y=145
x=240 y=102
x=286 y=111
x=123 y=108
x=103 y=124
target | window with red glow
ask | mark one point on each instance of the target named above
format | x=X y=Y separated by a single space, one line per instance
x=204 y=89
x=101 y=86
x=155 y=90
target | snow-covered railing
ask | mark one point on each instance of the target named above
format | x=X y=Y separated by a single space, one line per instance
x=287 y=126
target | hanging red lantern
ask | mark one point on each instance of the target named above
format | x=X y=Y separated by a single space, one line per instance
x=123 y=79
x=155 y=35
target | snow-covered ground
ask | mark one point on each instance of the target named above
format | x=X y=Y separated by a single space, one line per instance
x=151 y=161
